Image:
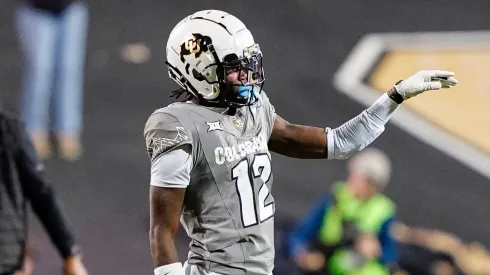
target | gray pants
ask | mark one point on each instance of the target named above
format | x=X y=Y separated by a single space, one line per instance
x=196 y=270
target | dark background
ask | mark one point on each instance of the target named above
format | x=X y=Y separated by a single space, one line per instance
x=304 y=42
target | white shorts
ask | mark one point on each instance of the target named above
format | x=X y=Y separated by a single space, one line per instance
x=196 y=270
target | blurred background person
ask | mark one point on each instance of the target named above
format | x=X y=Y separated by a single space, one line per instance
x=348 y=230
x=53 y=37
x=22 y=182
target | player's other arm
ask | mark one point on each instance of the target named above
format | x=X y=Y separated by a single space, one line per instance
x=339 y=143
x=170 y=176
x=165 y=210
x=169 y=148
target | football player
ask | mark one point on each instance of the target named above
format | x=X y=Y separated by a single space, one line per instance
x=210 y=159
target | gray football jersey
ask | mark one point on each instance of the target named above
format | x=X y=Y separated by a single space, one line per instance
x=228 y=210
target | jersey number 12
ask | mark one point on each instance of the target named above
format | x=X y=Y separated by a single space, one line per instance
x=245 y=175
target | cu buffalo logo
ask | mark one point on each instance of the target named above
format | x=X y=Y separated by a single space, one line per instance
x=196 y=44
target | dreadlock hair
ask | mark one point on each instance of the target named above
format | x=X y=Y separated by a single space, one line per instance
x=182 y=92
x=199 y=99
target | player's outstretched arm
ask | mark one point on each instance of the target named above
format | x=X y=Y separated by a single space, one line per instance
x=165 y=209
x=310 y=142
x=298 y=141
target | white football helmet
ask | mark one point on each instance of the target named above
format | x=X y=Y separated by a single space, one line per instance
x=203 y=47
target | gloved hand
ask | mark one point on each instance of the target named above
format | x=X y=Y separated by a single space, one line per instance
x=425 y=80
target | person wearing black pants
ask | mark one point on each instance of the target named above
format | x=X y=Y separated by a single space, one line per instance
x=22 y=182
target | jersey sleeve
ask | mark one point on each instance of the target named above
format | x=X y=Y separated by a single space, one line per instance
x=163 y=133
x=172 y=169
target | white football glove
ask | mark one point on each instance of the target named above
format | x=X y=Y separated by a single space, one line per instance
x=425 y=80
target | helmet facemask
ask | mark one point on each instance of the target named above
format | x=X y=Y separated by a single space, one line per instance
x=250 y=77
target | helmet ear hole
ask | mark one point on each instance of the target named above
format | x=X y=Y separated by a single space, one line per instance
x=230 y=57
x=197 y=75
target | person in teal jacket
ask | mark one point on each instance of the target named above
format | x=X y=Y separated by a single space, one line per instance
x=347 y=232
